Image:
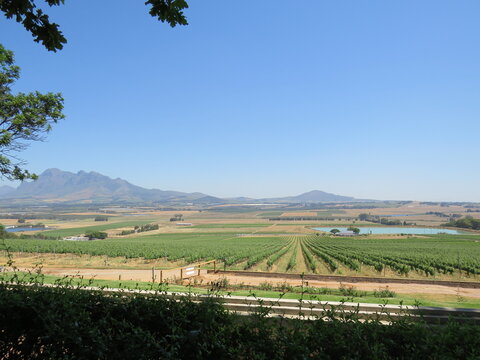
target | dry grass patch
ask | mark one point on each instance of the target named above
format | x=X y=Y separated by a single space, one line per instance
x=307 y=213
x=78 y=261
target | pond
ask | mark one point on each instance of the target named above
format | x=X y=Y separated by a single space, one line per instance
x=18 y=229
x=398 y=230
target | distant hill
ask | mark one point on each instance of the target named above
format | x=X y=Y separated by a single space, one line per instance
x=54 y=185
x=313 y=196
x=57 y=186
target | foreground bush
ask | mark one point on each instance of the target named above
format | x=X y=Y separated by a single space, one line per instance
x=65 y=323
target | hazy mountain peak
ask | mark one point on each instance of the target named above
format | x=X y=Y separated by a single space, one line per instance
x=313 y=196
x=52 y=171
x=63 y=186
x=55 y=185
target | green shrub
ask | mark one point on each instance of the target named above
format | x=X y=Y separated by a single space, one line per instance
x=66 y=323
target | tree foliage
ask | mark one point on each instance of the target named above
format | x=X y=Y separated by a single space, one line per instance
x=44 y=31
x=24 y=117
x=101 y=218
x=468 y=222
x=96 y=235
x=38 y=322
x=354 y=229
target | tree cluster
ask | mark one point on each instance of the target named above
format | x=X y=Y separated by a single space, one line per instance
x=101 y=218
x=468 y=222
x=138 y=229
x=24 y=117
x=177 y=217
x=381 y=220
x=96 y=235
x=354 y=229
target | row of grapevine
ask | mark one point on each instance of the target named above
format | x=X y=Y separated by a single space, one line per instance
x=350 y=263
x=254 y=260
x=293 y=258
x=331 y=264
x=275 y=257
x=309 y=258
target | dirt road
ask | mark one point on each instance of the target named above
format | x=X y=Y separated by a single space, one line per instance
x=146 y=275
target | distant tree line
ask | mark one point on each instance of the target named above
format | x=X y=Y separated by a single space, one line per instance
x=29 y=216
x=309 y=218
x=468 y=222
x=138 y=229
x=445 y=204
x=177 y=217
x=472 y=207
x=381 y=220
x=43 y=216
x=4 y=234
x=440 y=214
x=24 y=224
x=96 y=235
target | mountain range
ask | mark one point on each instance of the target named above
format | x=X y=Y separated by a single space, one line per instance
x=57 y=186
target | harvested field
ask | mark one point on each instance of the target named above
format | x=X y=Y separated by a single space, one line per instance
x=292 y=214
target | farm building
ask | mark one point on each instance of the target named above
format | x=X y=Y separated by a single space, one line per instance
x=76 y=238
x=184 y=224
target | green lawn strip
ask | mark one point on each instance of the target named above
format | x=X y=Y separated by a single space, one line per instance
x=405 y=299
x=82 y=230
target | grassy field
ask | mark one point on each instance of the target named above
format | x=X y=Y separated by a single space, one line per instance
x=81 y=230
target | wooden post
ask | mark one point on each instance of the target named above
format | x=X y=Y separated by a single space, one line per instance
x=161 y=275
x=153 y=274
x=119 y=277
x=181 y=274
x=214 y=266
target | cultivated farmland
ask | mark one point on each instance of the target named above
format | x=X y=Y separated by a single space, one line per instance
x=439 y=255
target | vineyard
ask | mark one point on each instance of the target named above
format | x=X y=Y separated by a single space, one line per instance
x=426 y=256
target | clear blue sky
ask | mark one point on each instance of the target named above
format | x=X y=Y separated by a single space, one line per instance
x=372 y=99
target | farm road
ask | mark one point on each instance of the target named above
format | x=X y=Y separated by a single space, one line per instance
x=146 y=275
x=114 y=274
x=366 y=286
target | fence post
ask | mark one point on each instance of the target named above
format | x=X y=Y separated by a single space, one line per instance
x=161 y=275
x=153 y=274
x=181 y=274
x=214 y=266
